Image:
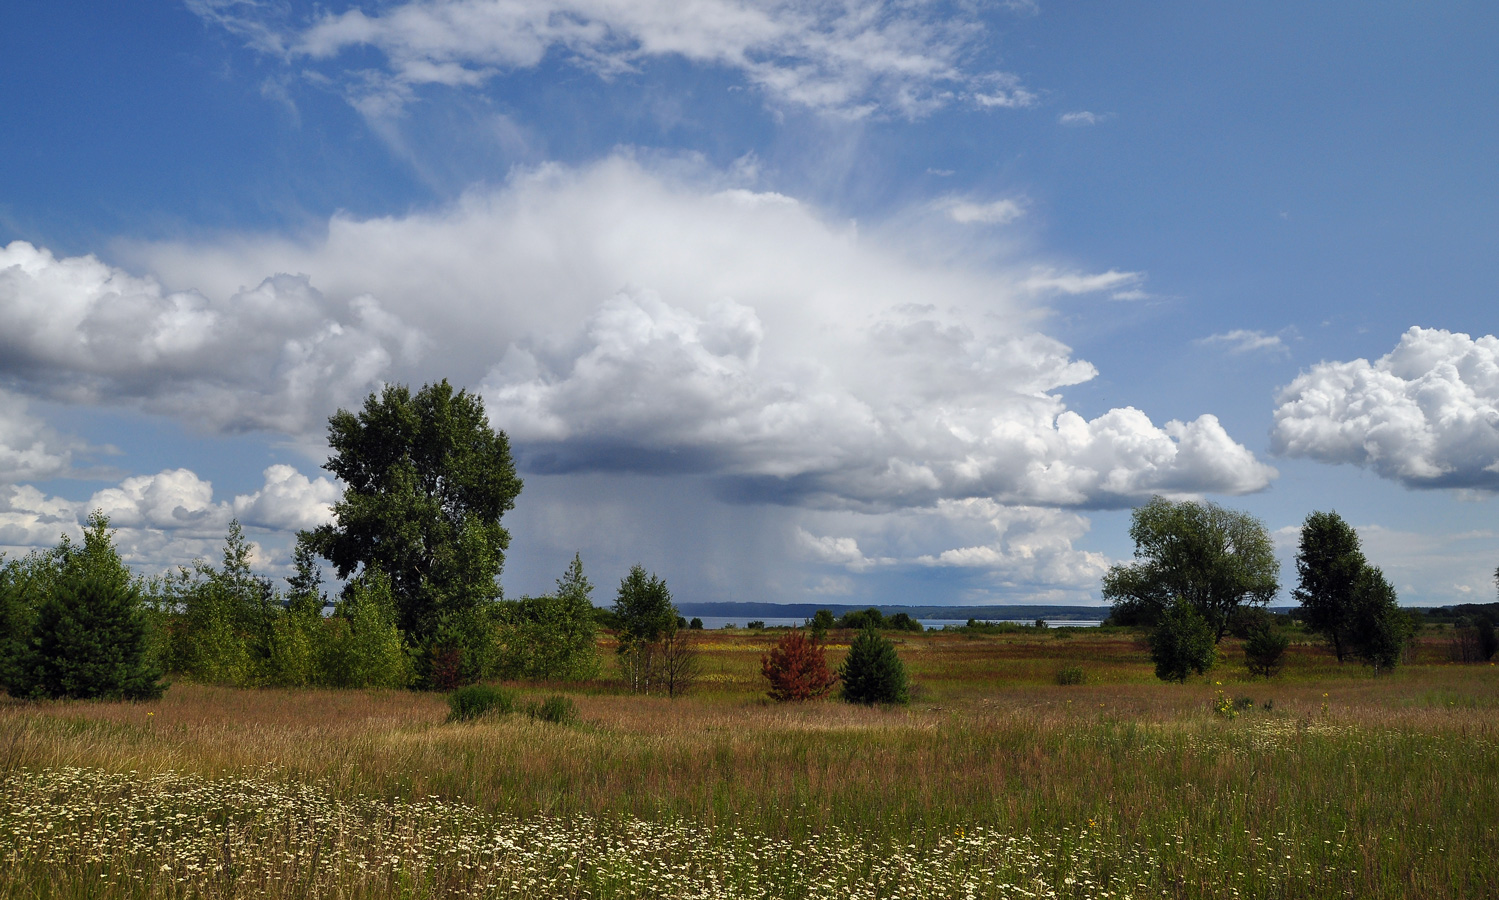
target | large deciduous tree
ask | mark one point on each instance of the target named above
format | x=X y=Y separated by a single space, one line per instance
x=1329 y=563
x=426 y=482
x=1211 y=558
x=1344 y=598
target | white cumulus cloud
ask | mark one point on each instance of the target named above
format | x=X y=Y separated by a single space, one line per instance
x=278 y=356
x=620 y=320
x=1426 y=414
x=911 y=407
x=838 y=551
x=169 y=518
x=617 y=319
x=29 y=449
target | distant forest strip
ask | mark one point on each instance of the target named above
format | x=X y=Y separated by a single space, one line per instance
x=807 y=610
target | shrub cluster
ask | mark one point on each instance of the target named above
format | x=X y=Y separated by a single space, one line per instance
x=1070 y=675
x=873 y=618
x=477 y=701
x=74 y=622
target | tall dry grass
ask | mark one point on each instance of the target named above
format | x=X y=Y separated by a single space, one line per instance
x=1347 y=785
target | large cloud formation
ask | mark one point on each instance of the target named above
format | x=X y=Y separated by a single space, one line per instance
x=277 y=356
x=850 y=58
x=919 y=409
x=639 y=319
x=621 y=319
x=1425 y=414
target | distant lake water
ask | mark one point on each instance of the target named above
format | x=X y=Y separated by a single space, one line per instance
x=712 y=622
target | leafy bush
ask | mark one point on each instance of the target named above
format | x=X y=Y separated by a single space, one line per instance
x=556 y=709
x=1070 y=675
x=365 y=648
x=872 y=672
x=1244 y=621
x=1379 y=629
x=1182 y=642
x=861 y=619
x=797 y=669
x=903 y=622
x=548 y=638
x=756 y=625
x=476 y=700
x=820 y=622
x=1264 y=650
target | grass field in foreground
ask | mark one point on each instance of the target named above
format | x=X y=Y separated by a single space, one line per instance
x=995 y=781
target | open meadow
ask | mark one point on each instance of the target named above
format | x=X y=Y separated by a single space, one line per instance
x=996 y=781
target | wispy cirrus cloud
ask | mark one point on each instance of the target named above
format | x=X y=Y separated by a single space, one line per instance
x=973 y=212
x=1242 y=341
x=1122 y=285
x=1082 y=118
x=859 y=58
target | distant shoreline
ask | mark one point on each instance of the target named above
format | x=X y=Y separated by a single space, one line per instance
x=752 y=611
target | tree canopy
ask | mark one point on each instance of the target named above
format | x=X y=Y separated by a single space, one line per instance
x=1345 y=598
x=427 y=481
x=1329 y=564
x=1199 y=553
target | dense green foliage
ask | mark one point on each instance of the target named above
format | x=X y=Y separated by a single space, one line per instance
x=1378 y=629
x=1213 y=559
x=1329 y=563
x=655 y=654
x=1344 y=598
x=79 y=627
x=552 y=637
x=872 y=672
x=1265 y=650
x=874 y=618
x=475 y=700
x=821 y=621
x=1182 y=642
x=426 y=481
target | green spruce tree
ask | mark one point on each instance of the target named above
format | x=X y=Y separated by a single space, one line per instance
x=91 y=637
x=872 y=672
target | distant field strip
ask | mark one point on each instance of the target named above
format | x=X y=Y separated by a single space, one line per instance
x=82 y=832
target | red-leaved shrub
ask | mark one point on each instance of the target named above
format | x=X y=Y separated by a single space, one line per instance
x=797 y=669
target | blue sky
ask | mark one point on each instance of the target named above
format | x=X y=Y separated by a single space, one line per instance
x=856 y=302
